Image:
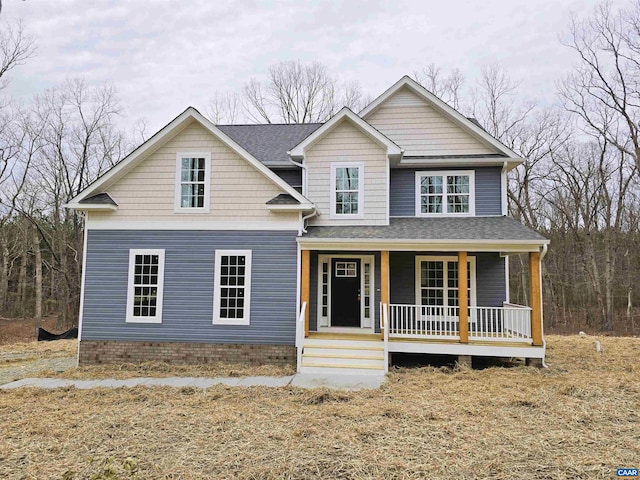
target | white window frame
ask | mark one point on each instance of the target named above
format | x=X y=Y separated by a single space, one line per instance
x=441 y=258
x=247 y=288
x=444 y=174
x=157 y=318
x=360 y=167
x=207 y=182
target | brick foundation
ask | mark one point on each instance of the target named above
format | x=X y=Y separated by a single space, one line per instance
x=95 y=352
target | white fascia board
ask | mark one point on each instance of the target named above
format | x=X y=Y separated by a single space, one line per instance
x=511 y=163
x=393 y=150
x=291 y=208
x=167 y=132
x=443 y=245
x=90 y=207
x=443 y=107
x=263 y=225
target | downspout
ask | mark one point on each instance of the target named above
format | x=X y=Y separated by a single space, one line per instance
x=305 y=218
x=304 y=173
x=544 y=341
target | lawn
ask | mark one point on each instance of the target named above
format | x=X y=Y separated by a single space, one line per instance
x=578 y=419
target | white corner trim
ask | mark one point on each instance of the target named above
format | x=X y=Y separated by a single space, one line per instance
x=245 y=320
x=443 y=107
x=177 y=208
x=361 y=204
x=345 y=113
x=503 y=189
x=444 y=173
x=130 y=318
x=82 y=286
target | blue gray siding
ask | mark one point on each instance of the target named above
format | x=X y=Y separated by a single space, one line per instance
x=403 y=190
x=490 y=278
x=292 y=176
x=188 y=286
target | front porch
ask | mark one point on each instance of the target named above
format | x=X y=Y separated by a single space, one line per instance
x=434 y=324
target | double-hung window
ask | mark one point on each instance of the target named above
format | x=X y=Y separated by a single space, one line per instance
x=445 y=193
x=193 y=177
x=437 y=282
x=146 y=279
x=232 y=287
x=347 y=199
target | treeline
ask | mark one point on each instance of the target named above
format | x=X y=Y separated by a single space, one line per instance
x=579 y=185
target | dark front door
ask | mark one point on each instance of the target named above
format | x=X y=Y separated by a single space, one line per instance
x=345 y=292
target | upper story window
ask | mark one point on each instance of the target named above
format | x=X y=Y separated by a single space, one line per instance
x=193 y=177
x=146 y=279
x=347 y=199
x=445 y=193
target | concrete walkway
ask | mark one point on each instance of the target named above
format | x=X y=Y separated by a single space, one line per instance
x=344 y=382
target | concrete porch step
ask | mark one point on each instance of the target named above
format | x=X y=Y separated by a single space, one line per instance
x=343 y=359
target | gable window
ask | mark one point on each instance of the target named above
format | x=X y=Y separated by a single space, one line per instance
x=437 y=281
x=232 y=284
x=445 y=193
x=193 y=176
x=347 y=190
x=146 y=279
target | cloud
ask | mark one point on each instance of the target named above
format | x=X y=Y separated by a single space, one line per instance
x=163 y=56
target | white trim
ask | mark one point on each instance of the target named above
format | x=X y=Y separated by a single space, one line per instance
x=177 y=208
x=402 y=245
x=444 y=174
x=442 y=258
x=193 y=224
x=82 y=285
x=157 y=318
x=411 y=162
x=89 y=207
x=245 y=320
x=164 y=135
x=388 y=205
x=467 y=349
x=371 y=259
x=503 y=190
x=345 y=113
x=290 y=208
x=343 y=216
x=507 y=295
x=443 y=107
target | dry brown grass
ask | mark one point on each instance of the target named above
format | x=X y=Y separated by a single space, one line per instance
x=578 y=419
x=161 y=369
x=20 y=353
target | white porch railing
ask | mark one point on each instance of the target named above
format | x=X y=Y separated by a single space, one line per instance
x=300 y=334
x=507 y=323
x=423 y=321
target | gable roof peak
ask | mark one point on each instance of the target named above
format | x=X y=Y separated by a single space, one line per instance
x=473 y=127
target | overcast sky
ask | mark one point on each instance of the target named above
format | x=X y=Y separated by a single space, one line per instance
x=164 y=56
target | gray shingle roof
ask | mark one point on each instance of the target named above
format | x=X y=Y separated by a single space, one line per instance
x=99 y=199
x=270 y=143
x=448 y=228
x=283 y=199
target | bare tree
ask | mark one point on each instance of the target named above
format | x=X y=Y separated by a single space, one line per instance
x=224 y=108
x=297 y=93
x=448 y=88
x=603 y=90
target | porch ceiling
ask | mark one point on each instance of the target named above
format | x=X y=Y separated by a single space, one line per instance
x=445 y=234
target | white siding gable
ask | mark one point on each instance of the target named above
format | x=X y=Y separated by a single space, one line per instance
x=347 y=144
x=238 y=191
x=420 y=129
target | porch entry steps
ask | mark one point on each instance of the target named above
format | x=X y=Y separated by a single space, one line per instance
x=333 y=355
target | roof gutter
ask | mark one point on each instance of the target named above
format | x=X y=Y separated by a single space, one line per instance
x=302 y=228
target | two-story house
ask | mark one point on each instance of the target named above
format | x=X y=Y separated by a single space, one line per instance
x=327 y=245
